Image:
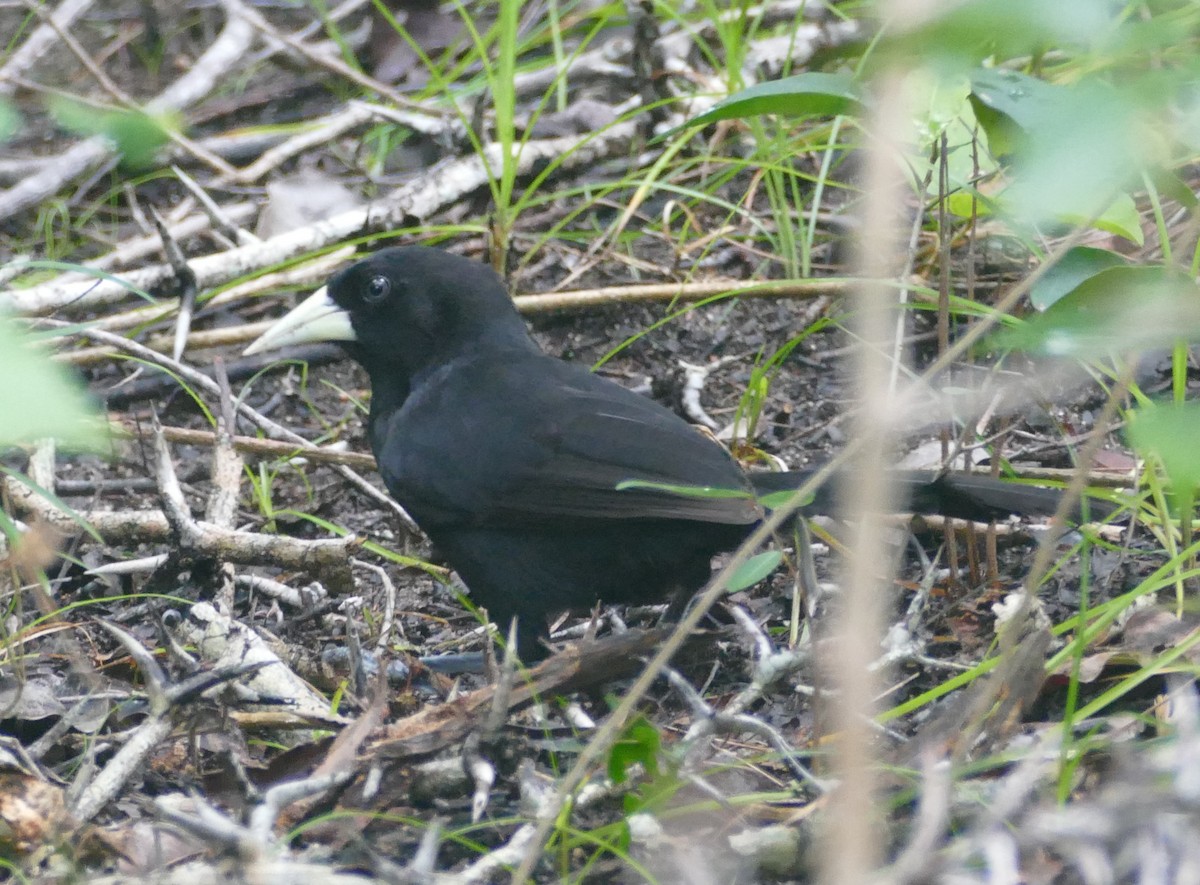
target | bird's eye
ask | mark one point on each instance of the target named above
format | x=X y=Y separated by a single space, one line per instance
x=377 y=289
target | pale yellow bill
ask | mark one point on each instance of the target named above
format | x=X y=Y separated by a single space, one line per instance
x=317 y=318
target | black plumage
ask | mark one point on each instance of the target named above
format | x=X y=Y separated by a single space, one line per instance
x=511 y=460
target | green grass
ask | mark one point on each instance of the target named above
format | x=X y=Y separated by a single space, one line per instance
x=764 y=183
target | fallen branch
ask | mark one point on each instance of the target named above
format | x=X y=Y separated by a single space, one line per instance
x=443 y=184
x=576 y=667
x=210 y=69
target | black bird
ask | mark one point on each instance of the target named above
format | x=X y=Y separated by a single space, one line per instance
x=510 y=460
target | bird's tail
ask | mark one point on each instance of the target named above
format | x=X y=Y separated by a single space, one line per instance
x=954 y=495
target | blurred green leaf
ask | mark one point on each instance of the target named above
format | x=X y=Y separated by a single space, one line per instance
x=1169 y=431
x=1020 y=118
x=1117 y=310
x=970 y=32
x=775 y=500
x=1121 y=217
x=136 y=134
x=640 y=744
x=971 y=204
x=754 y=569
x=809 y=94
x=1008 y=104
x=1075 y=151
x=950 y=122
x=1173 y=187
x=10 y=121
x=1078 y=265
x=1071 y=148
x=40 y=397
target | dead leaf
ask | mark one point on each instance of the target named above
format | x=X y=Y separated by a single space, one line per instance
x=32 y=811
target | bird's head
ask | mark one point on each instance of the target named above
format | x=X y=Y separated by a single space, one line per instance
x=405 y=310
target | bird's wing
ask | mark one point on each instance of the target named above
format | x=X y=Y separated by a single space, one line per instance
x=539 y=439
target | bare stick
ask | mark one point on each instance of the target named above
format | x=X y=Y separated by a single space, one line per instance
x=212 y=67
x=441 y=185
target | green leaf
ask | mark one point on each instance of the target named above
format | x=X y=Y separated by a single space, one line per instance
x=1073 y=149
x=10 y=121
x=775 y=500
x=809 y=94
x=1068 y=146
x=949 y=139
x=42 y=398
x=970 y=32
x=754 y=569
x=1169 y=431
x=685 y=491
x=971 y=204
x=640 y=743
x=136 y=134
x=1009 y=104
x=1121 y=218
x=1075 y=267
x=1173 y=187
x=1117 y=310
